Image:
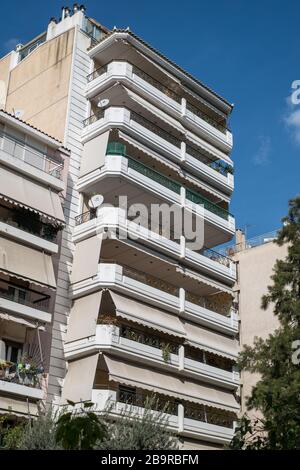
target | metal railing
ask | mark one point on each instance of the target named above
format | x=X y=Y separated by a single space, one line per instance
x=166 y=91
x=191 y=195
x=140 y=336
x=203 y=115
x=150 y=280
x=197 y=198
x=97 y=73
x=93 y=118
x=30 y=155
x=24 y=296
x=208 y=302
x=215 y=256
x=152 y=81
x=200 y=413
x=217 y=165
x=85 y=217
x=21 y=373
x=155 y=129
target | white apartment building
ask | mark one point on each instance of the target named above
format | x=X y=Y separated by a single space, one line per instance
x=142 y=313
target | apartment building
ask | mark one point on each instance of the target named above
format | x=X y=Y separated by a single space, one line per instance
x=31 y=219
x=137 y=310
x=255 y=260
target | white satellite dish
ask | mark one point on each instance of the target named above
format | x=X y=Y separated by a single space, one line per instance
x=96 y=201
x=103 y=103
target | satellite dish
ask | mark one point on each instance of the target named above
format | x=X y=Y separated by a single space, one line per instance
x=103 y=103
x=96 y=201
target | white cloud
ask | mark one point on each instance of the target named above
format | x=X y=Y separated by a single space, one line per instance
x=262 y=156
x=292 y=118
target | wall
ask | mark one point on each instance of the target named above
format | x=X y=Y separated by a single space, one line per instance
x=39 y=85
x=254 y=275
x=4 y=78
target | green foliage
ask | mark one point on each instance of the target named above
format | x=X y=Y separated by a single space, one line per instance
x=135 y=431
x=80 y=429
x=276 y=395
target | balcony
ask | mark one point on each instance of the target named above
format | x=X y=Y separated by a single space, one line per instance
x=219 y=223
x=26 y=226
x=215 y=172
x=22 y=380
x=25 y=302
x=30 y=161
x=198 y=422
x=202 y=121
x=156 y=351
x=156 y=292
x=211 y=262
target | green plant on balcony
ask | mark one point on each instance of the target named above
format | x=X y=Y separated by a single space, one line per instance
x=166 y=351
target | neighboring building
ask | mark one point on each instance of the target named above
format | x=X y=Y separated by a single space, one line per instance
x=31 y=217
x=141 y=314
x=255 y=259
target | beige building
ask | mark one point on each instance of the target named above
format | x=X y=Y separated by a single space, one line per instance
x=31 y=219
x=137 y=310
x=255 y=259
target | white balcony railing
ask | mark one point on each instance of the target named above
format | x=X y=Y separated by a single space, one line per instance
x=118 y=165
x=112 y=339
x=158 y=93
x=179 y=423
x=214 y=264
x=112 y=275
x=158 y=139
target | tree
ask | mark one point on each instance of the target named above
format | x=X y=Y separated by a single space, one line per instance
x=136 y=431
x=277 y=394
x=80 y=429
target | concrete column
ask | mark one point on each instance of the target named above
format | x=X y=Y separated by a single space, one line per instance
x=181 y=299
x=182 y=196
x=180 y=417
x=181 y=357
x=2 y=349
x=183 y=106
x=182 y=151
x=182 y=246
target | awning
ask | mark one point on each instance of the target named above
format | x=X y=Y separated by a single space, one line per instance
x=94 y=152
x=172 y=166
x=20 y=321
x=166 y=384
x=33 y=196
x=207 y=147
x=156 y=65
x=158 y=113
x=83 y=317
x=86 y=258
x=26 y=263
x=203 y=280
x=79 y=380
x=216 y=343
x=147 y=315
x=159 y=158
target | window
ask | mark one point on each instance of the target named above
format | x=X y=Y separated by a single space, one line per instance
x=13 y=351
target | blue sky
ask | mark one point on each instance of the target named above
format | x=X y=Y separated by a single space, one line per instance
x=246 y=51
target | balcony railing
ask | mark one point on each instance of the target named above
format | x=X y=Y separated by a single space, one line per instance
x=191 y=195
x=165 y=90
x=29 y=221
x=21 y=373
x=198 y=413
x=219 y=166
x=97 y=73
x=209 y=119
x=29 y=154
x=24 y=296
x=151 y=281
x=140 y=336
x=209 y=303
x=155 y=129
x=215 y=256
x=93 y=118
x=85 y=217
